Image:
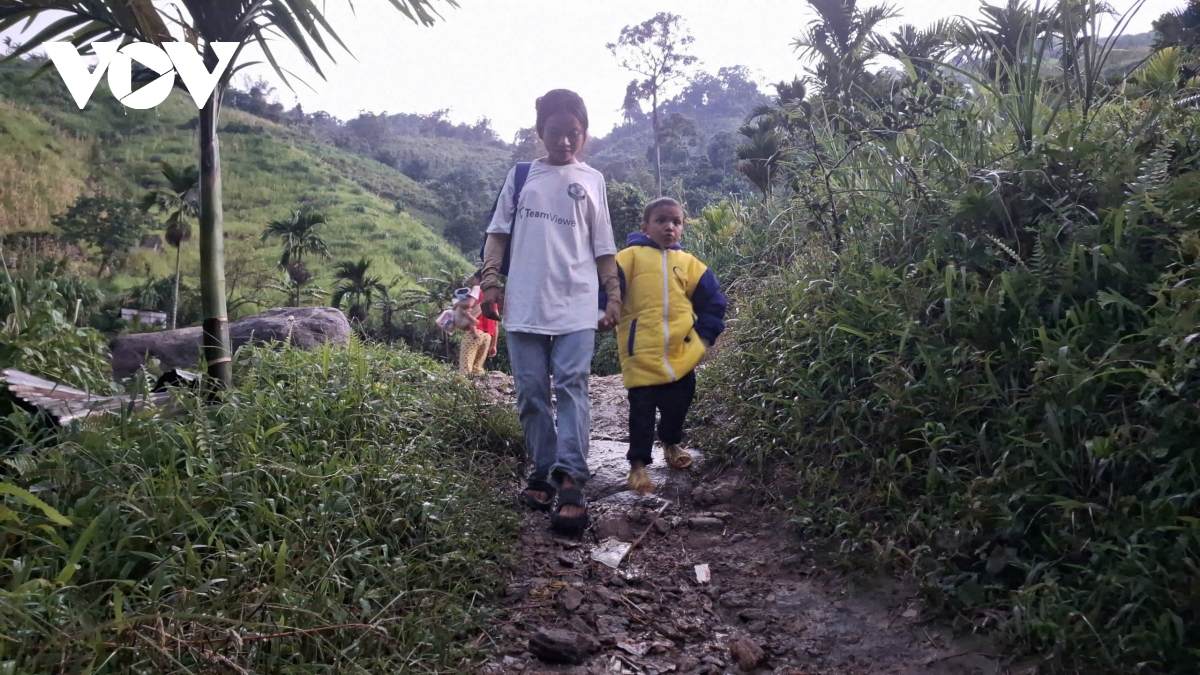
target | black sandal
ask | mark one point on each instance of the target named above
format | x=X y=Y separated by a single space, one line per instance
x=569 y=525
x=539 y=485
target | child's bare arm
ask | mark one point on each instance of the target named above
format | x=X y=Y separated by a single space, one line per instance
x=489 y=275
x=606 y=268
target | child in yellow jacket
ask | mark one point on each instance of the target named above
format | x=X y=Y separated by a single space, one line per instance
x=673 y=310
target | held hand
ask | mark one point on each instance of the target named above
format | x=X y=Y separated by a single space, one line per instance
x=612 y=315
x=490 y=304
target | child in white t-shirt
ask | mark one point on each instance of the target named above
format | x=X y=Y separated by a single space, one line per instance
x=562 y=257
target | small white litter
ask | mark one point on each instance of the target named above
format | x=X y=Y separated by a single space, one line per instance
x=635 y=648
x=703 y=575
x=610 y=552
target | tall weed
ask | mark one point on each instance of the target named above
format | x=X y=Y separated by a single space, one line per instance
x=43 y=325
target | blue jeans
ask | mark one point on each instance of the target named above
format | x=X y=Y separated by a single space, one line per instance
x=560 y=448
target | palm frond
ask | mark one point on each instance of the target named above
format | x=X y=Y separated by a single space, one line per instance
x=300 y=24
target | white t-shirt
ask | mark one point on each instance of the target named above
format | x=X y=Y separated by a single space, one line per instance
x=562 y=226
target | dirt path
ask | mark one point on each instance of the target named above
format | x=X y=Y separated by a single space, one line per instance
x=768 y=606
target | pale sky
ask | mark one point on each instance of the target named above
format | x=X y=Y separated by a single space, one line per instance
x=493 y=58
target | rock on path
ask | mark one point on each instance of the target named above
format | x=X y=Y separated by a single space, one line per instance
x=769 y=607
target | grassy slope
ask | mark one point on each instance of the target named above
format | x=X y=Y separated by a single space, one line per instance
x=41 y=169
x=52 y=152
x=446 y=154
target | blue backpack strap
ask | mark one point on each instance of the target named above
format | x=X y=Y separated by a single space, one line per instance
x=520 y=175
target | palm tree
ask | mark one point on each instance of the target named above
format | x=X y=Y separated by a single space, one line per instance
x=1179 y=28
x=920 y=49
x=178 y=199
x=388 y=306
x=1166 y=72
x=356 y=285
x=298 y=234
x=1001 y=40
x=296 y=279
x=147 y=296
x=772 y=131
x=1083 y=49
x=760 y=158
x=842 y=39
x=298 y=23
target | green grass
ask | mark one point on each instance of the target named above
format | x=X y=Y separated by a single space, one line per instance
x=446 y=154
x=42 y=169
x=342 y=512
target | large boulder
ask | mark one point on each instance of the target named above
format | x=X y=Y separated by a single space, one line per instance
x=303 y=327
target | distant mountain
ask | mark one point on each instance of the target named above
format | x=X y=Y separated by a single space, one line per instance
x=1129 y=51
x=1143 y=41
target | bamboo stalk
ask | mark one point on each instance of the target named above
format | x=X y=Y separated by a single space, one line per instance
x=175 y=303
x=217 y=352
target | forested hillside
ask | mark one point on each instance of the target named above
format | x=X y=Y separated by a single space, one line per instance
x=52 y=153
x=700 y=136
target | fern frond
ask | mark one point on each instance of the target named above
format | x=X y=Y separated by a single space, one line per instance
x=21 y=464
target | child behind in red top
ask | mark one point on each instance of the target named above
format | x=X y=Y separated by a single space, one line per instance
x=478 y=341
x=488 y=326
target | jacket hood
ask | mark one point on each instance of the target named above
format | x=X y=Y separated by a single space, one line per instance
x=641 y=239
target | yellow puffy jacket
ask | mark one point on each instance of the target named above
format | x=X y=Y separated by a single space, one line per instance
x=671 y=302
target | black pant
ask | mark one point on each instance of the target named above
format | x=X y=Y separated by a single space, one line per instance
x=672 y=400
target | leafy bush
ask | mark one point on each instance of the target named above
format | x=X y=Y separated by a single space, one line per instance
x=112 y=225
x=605 y=360
x=340 y=508
x=43 y=316
x=983 y=369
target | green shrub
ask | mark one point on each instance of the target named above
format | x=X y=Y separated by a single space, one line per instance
x=341 y=509
x=605 y=360
x=991 y=379
x=43 y=312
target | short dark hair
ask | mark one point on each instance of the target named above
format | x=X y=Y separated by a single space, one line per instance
x=560 y=101
x=661 y=201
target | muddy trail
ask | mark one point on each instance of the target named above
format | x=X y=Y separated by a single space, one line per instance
x=713 y=584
